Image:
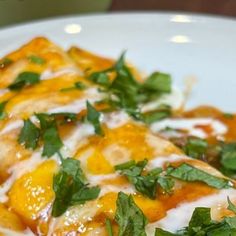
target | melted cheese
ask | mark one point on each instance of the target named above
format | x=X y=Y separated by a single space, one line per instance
x=27 y=185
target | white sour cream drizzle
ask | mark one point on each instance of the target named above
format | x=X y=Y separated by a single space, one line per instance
x=116 y=119
x=11 y=126
x=76 y=106
x=179 y=217
x=48 y=74
x=190 y=124
x=9 y=232
x=160 y=161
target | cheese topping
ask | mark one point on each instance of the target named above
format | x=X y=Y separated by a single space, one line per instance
x=105 y=128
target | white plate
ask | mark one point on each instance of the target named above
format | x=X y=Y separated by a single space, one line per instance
x=182 y=45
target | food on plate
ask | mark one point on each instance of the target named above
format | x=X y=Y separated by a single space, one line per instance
x=89 y=146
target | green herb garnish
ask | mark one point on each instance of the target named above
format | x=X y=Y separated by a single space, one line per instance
x=126 y=93
x=158 y=82
x=228 y=156
x=129 y=217
x=190 y=173
x=29 y=135
x=228 y=115
x=47 y=132
x=160 y=113
x=70 y=187
x=100 y=78
x=93 y=117
x=196 y=147
x=201 y=224
x=145 y=184
x=50 y=135
x=5 y=62
x=2 y=112
x=109 y=227
x=24 y=79
x=77 y=85
x=36 y=60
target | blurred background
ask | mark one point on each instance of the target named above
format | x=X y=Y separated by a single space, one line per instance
x=17 y=11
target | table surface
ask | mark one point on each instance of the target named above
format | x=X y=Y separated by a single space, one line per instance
x=219 y=7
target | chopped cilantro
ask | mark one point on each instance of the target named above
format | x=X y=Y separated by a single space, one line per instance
x=2 y=112
x=24 y=79
x=129 y=217
x=52 y=141
x=70 y=187
x=100 y=78
x=29 y=135
x=145 y=184
x=190 y=173
x=228 y=115
x=160 y=113
x=77 y=85
x=93 y=117
x=161 y=232
x=231 y=206
x=201 y=224
x=36 y=60
x=50 y=135
x=48 y=132
x=158 y=82
x=5 y=62
x=126 y=93
x=195 y=147
x=228 y=156
x=109 y=227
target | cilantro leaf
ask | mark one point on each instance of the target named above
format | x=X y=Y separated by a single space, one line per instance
x=126 y=93
x=100 y=78
x=145 y=184
x=50 y=135
x=70 y=187
x=159 y=82
x=93 y=117
x=129 y=217
x=195 y=147
x=201 y=224
x=166 y=183
x=201 y=217
x=160 y=113
x=131 y=168
x=189 y=173
x=36 y=60
x=228 y=115
x=24 y=79
x=109 y=227
x=52 y=141
x=29 y=135
x=231 y=206
x=161 y=232
x=5 y=62
x=2 y=107
x=228 y=156
x=77 y=85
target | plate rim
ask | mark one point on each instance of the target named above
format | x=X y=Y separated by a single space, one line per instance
x=198 y=16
